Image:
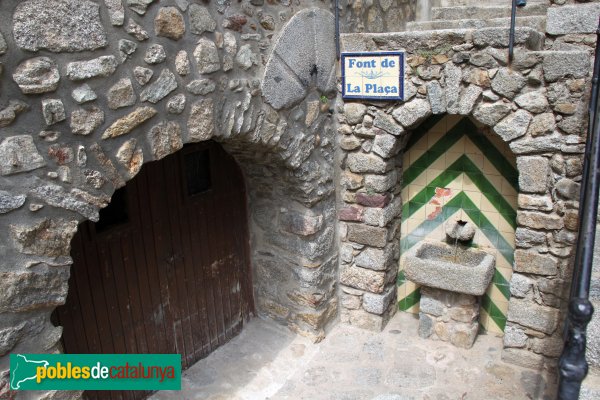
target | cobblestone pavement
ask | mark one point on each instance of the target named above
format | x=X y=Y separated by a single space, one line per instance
x=268 y=362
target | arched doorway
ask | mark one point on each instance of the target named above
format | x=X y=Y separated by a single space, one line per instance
x=166 y=268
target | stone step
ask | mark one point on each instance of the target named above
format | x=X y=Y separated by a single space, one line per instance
x=505 y=3
x=411 y=42
x=536 y=22
x=590 y=389
x=485 y=12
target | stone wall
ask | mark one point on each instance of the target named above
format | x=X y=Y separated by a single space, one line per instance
x=537 y=106
x=376 y=15
x=91 y=90
x=593 y=348
x=455 y=169
x=572 y=26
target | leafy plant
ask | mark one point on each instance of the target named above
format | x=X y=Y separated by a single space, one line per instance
x=429 y=53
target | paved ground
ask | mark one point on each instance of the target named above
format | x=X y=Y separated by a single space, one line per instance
x=590 y=390
x=268 y=362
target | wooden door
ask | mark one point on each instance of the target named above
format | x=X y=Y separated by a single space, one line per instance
x=166 y=269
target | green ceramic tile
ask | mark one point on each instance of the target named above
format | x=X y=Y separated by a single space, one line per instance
x=420 y=165
x=468 y=205
x=490 y=192
x=485 y=223
x=485 y=302
x=449 y=211
x=463 y=164
x=401 y=278
x=425 y=195
x=469 y=167
x=417 y=204
x=409 y=241
x=456 y=166
x=510 y=217
x=507 y=251
x=422 y=130
x=475 y=216
x=499 y=162
x=499 y=279
x=501 y=322
x=405 y=210
x=422 y=230
x=435 y=152
x=412 y=173
x=493 y=311
x=410 y=300
x=492 y=236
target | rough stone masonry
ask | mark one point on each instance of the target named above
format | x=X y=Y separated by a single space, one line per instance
x=537 y=106
x=91 y=90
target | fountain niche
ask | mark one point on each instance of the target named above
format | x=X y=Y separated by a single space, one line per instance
x=453 y=276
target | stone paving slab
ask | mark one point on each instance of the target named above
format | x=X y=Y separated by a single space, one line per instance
x=268 y=362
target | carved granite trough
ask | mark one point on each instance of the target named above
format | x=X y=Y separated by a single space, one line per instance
x=454 y=268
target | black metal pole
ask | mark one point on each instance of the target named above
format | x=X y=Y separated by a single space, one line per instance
x=511 y=35
x=573 y=366
x=337 y=29
x=595 y=81
x=591 y=118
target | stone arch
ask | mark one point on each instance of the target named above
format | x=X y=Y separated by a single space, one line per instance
x=136 y=92
x=476 y=180
x=167 y=263
x=522 y=110
x=516 y=123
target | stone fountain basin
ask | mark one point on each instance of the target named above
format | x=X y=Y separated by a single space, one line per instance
x=456 y=269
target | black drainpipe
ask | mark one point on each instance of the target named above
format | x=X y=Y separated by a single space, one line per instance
x=573 y=366
x=513 y=20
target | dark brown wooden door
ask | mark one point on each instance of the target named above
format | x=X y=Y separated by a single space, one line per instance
x=166 y=269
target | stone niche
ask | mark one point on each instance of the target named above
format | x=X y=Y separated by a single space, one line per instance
x=535 y=111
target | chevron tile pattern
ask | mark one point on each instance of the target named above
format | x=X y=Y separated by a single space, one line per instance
x=455 y=170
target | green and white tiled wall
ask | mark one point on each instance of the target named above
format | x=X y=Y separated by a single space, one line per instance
x=455 y=170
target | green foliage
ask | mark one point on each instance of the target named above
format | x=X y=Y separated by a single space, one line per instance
x=429 y=53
